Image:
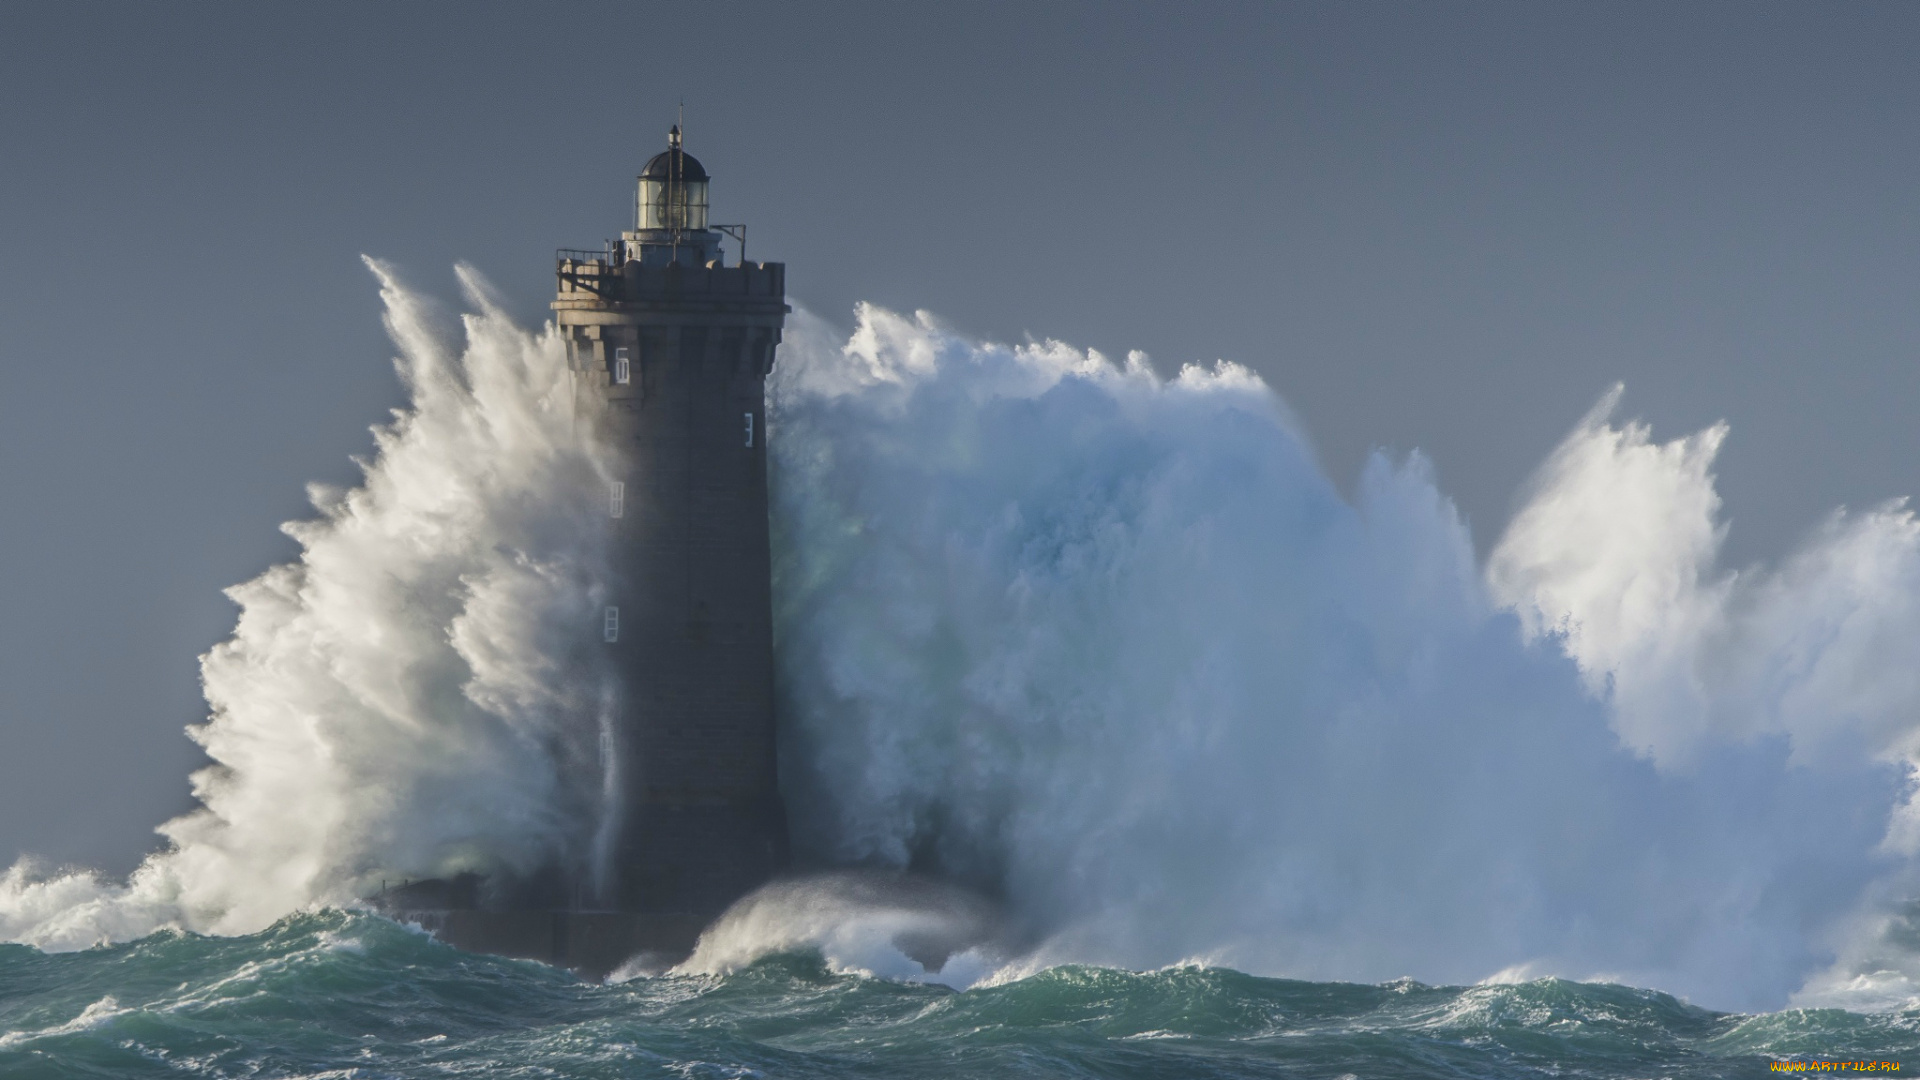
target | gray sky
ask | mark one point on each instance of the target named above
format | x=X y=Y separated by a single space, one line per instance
x=1439 y=226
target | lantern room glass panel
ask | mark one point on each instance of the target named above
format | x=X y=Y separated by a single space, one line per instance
x=694 y=213
x=647 y=210
x=664 y=204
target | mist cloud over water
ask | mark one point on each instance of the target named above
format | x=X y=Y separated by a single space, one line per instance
x=1112 y=648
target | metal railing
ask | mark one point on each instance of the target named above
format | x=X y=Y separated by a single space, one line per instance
x=607 y=255
x=739 y=234
x=589 y=270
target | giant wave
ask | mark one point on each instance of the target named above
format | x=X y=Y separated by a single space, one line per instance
x=1113 y=648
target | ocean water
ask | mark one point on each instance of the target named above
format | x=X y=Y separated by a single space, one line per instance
x=335 y=994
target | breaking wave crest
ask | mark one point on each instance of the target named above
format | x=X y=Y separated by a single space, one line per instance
x=871 y=923
x=1112 y=649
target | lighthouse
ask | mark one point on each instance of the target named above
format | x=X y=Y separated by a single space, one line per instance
x=669 y=345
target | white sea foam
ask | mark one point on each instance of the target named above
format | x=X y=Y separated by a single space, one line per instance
x=94 y=1015
x=878 y=924
x=1111 y=647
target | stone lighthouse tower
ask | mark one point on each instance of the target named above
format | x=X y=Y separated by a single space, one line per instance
x=670 y=348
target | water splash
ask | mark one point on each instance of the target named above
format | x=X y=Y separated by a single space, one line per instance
x=417 y=694
x=1616 y=556
x=1113 y=647
x=871 y=923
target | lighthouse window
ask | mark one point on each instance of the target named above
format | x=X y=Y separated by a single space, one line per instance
x=606 y=744
x=613 y=624
x=749 y=417
x=622 y=370
x=617 y=499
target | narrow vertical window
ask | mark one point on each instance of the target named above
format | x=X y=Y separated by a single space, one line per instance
x=749 y=417
x=606 y=745
x=622 y=368
x=617 y=499
x=613 y=624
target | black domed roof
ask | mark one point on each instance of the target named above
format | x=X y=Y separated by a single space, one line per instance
x=661 y=167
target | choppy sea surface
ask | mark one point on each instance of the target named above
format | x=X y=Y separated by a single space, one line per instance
x=334 y=994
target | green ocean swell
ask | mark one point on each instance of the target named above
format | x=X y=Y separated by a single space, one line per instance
x=346 y=995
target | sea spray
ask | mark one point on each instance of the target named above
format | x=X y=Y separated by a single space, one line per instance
x=874 y=923
x=418 y=694
x=1111 y=648
x=1114 y=648
x=1615 y=556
